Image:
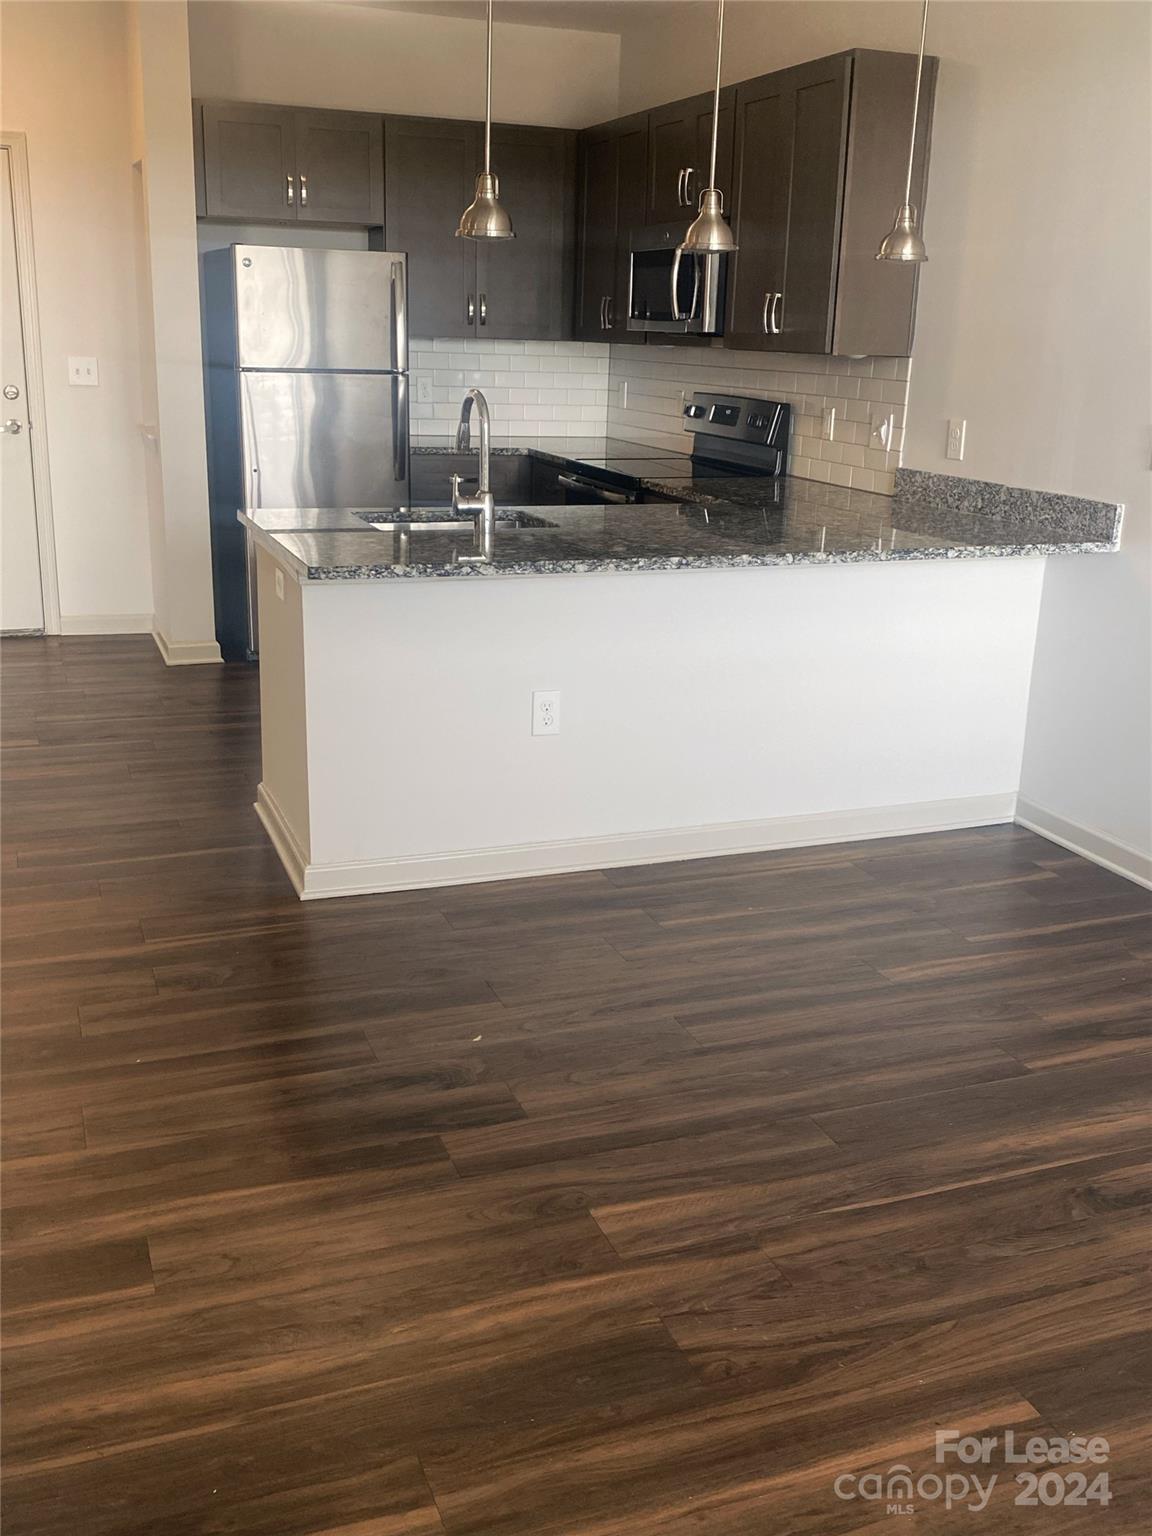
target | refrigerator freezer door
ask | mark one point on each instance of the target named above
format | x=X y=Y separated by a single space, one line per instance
x=324 y=439
x=298 y=308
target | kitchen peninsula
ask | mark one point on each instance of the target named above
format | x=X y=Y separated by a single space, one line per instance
x=748 y=669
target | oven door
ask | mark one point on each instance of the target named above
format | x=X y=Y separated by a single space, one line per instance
x=675 y=295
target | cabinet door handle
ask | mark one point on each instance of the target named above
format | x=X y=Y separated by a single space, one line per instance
x=603 y=314
x=609 y=312
x=483 y=309
x=291 y=183
x=303 y=191
x=764 y=313
x=776 y=316
x=680 y=189
x=470 y=310
x=688 y=175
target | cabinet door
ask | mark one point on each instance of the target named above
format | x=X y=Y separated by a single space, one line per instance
x=697 y=180
x=819 y=139
x=791 y=138
x=249 y=162
x=596 y=238
x=763 y=174
x=429 y=179
x=679 y=151
x=524 y=286
x=340 y=165
x=671 y=155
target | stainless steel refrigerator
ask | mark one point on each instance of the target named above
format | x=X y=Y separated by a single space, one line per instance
x=306 y=356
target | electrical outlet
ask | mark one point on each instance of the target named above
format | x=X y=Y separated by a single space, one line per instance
x=828 y=422
x=424 y=391
x=956 y=433
x=883 y=425
x=623 y=394
x=546 y=712
x=84 y=371
x=280 y=585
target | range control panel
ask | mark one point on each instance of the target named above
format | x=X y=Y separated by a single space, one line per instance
x=738 y=419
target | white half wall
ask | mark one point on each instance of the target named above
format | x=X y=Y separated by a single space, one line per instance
x=701 y=712
x=360 y=58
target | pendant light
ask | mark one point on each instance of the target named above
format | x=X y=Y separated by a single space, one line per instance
x=709 y=233
x=484 y=219
x=903 y=241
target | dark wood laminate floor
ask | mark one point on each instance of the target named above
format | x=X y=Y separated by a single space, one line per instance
x=648 y=1201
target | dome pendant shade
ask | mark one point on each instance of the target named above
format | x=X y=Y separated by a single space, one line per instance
x=709 y=232
x=903 y=242
x=484 y=218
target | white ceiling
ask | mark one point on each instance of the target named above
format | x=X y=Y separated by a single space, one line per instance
x=615 y=16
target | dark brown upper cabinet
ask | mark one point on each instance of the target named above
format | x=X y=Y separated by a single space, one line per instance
x=524 y=286
x=679 y=151
x=611 y=203
x=430 y=175
x=340 y=166
x=292 y=164
x=249 y=161
x=504 y=289
x=820 y=155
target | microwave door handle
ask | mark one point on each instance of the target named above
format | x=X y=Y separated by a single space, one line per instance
x=697 y=263
x=676 y=315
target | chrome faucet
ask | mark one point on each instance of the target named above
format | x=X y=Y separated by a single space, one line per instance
x=482 y=503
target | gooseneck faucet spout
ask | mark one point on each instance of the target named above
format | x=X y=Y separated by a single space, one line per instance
x=482 y=502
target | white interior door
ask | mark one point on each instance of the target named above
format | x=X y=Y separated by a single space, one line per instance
x=21 y=597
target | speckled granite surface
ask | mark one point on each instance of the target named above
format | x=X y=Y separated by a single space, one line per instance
x=1074 y=518
x=759 y=523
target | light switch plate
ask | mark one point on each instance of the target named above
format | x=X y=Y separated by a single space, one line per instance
x=83 y=372
x=424 y=391
x=828 y=422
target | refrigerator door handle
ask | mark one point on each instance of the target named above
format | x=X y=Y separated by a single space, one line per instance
x=400 y=316
x=400 y=429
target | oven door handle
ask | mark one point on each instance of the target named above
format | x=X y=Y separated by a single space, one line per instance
x=574 y=483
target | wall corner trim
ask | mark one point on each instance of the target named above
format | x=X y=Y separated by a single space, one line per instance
x=186 y=653
x=1120 y=858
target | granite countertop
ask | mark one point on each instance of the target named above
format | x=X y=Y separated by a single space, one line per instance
x=729 y=521
x=812 y=525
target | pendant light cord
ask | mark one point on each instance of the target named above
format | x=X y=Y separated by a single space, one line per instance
x=915 y=102
x=488 y=99
x=716 y=95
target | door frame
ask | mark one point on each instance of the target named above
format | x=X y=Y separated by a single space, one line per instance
x=17 y=146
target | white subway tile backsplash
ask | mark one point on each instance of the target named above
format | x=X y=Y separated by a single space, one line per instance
x=557 y=386
x=565 y=388
x=857 y=388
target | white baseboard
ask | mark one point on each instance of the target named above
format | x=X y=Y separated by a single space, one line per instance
x=106 y=623
x=186 y=653
x=1097 y=846
x=291 y=852
x=368 y=876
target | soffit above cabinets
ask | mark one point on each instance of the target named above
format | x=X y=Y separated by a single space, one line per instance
x=612 y=16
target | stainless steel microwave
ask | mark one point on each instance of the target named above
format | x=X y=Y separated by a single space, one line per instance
x=678 y=295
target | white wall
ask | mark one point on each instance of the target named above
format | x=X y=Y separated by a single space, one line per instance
x=170 y=334
x=66 y=82
x=360 y=58
x=1033 y=319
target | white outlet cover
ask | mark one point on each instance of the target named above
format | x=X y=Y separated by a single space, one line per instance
x=957 y=431
x=423 y=391
x=828 y=422
x=546 y=712
x=83 y=372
